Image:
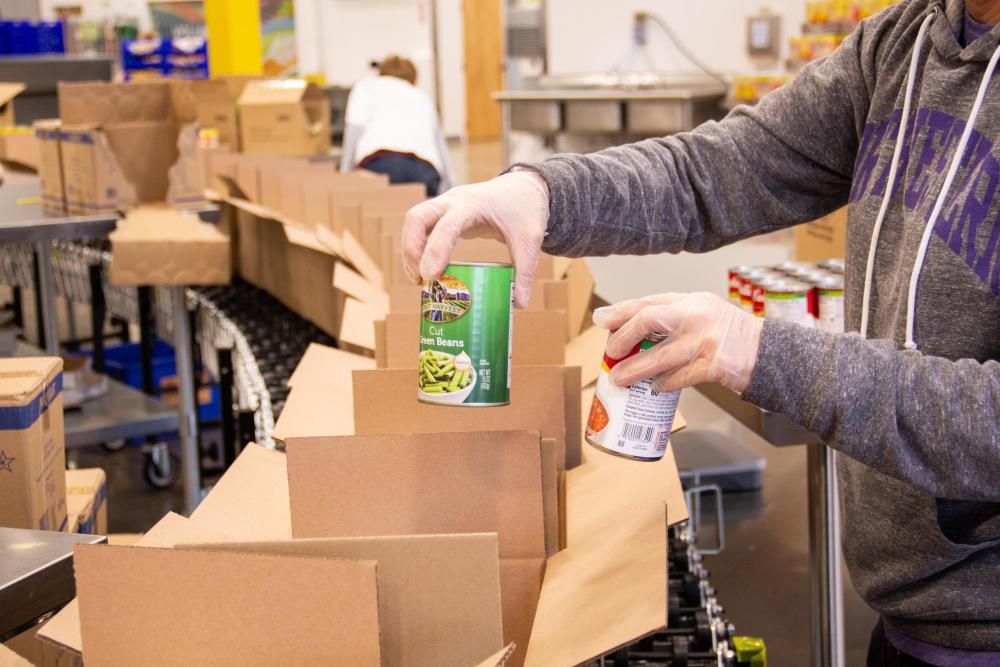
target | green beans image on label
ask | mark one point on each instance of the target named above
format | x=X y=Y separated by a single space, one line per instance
x=465 y=336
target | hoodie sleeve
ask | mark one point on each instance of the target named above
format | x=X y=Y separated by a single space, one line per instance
x=785 y=161
x=926 y=420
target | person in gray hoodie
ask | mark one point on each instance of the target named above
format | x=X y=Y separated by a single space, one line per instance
x=900 y=124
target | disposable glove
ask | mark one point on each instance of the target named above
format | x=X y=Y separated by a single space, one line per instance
x=709 y=340
x=513 y=208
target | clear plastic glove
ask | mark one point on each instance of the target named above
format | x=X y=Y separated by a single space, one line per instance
x=513 y=208
x=710 y=340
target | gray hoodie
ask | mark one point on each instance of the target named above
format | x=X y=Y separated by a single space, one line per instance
x=919 y=425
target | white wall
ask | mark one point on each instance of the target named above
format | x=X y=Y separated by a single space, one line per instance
x=451 y=66
x=594 y=35
x=97 y=10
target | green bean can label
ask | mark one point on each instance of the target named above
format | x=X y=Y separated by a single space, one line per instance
x=465 y=336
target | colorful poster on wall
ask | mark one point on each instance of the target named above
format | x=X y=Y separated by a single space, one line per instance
x=277 y=30
x=178 y=18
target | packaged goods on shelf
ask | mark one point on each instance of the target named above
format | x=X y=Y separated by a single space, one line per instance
x=807 y=293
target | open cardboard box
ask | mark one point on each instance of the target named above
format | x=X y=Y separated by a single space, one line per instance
x=127 y=144
x=164 y=246
x=284 y=117
x=215 y=105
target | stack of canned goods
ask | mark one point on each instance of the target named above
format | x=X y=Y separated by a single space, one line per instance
x=809 y=294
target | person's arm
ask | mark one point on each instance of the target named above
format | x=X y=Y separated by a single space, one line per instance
x=925 y=420
x=785 y=161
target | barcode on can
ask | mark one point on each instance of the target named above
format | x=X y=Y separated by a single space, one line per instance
x=635 y=432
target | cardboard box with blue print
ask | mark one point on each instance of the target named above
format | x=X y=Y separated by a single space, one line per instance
x=128 y=144
x=32 y=455
x=87 y=501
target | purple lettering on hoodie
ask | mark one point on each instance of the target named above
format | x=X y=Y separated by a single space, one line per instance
x=868 y=154
x=937 y=124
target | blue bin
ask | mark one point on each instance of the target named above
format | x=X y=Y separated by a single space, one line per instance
x=50 y=37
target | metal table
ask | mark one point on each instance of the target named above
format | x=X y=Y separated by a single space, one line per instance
x=827 y=592
x=29 y=222
x=36 y=575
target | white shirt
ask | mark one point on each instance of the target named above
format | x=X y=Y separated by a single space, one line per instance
x=388 y=113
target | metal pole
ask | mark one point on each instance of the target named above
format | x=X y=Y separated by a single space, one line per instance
x=187 y=408
x=47 y=297
x=97 y=313
x=826 y=590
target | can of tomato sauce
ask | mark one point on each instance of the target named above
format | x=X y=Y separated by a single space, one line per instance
x=734 y=283
x=831 y=304
x=747 y=279
x=788 y=300
x=631 y=422
x=465 y=336
x=760 y=287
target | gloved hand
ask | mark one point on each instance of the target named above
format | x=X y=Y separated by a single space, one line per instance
x=710 y=340
x=513 y=208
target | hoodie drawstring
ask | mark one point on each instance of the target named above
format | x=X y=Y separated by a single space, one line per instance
x=910 y=343
x=893 y=167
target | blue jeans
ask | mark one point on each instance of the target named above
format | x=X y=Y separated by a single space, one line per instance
x=401 y=169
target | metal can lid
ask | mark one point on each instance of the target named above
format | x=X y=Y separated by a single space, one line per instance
x=832 y=282
x=740 y=268
x=657 y=337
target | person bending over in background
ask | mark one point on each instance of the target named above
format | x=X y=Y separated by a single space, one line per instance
x=392 y=128
x=901 y=125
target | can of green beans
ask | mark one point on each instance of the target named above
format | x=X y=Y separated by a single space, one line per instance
x=465 y=336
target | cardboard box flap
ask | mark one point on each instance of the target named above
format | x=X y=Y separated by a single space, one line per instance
x=181 y=607
x=277 y=91
x=10 y=659
x=353 y=283
x=587 y=352
x=604 y=594
x=21 y=379
x=500 y=658
x=103 y=103
x=250 y=501
x=385 y=403
x=9 y=90
x=325 y=365
x=447 y=483
x=439 y=595
x=63 y=629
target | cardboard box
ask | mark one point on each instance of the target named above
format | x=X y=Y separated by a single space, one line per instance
x=542 y=398
x=19 y=147
x=284 y=117
x=8 y=91
x=185 y=607
x=215 y=104
x=439 y=595
x=50 y=166
x=125 y=145
x=39 y=653
x=823 y=238
x=449 y=483
x=538 y=339
x=87 y=501
x=32 y=454
x=163 y=246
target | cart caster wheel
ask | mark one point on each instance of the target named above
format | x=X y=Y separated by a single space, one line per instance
x=160 y=470
x=114 y=445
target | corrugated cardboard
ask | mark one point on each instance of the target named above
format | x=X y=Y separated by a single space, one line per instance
x=587 y=352
x=448 y=483
x=499 y=658
x=41 y=653
x=163 y=246
x=50 y=168
x=249 y=502
x=823 y=238
x=580 y=283
x=357 y=327
x=321 y=399
x=86 y=501
x=215 y=104
x=538 y=339
x=284 y=117
x=466 y=482
x=32 y=454
x=385 y=402
x=63 y=630
x=128 y=144
x=8 y=658
x=181 y=607
x=351 y=282
x=8 y=91
x=439 y=595
x=19 y=148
